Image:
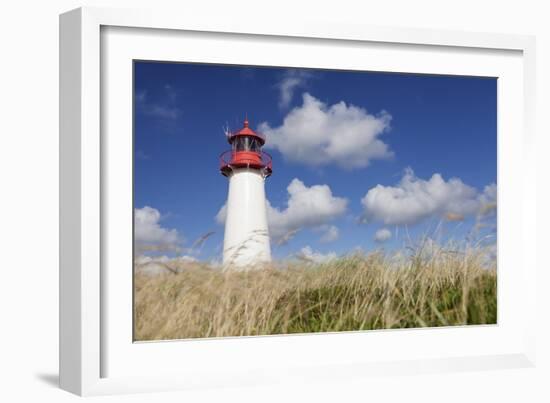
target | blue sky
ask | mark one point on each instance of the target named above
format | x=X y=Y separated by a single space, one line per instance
x=374 y=151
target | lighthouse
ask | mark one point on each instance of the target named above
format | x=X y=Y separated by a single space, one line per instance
x=246 y=239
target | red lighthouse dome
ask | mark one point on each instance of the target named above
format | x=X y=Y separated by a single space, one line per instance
x=246 y=152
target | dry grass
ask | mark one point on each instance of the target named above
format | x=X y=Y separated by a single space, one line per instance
x=439 y=287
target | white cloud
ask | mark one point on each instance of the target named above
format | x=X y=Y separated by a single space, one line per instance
x=414 y=199
x=143 y=259
x=285 y=238
x=306 y=253
x=486 y=216
x=162 y=111
x=307 y=207
x=316 y=134
x=331 y=233
x=488 y=200
x=293 y=79
x=149 y=235
x=382 y=235
x=166 y=110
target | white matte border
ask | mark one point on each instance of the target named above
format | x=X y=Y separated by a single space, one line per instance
x=123 y=45
x=510 y=350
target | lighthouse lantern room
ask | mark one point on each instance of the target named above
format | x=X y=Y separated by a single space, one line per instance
x=246 y=239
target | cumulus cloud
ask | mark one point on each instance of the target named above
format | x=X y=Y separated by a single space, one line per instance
x=414 y=199
x=285 y=238
x=488 y=200
x=454 y=217
x=149 y=235
x=486 y=216
x=316 y=134
x=292 y=79
x=307 y=207
x=331 y=233
x=382 y=235
x=308 y=254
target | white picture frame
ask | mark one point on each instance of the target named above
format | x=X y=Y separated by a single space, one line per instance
x=96 y=354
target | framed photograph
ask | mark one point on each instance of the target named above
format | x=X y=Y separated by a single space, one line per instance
x=247 y=204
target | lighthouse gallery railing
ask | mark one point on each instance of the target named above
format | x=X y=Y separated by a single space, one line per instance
x=240 y=159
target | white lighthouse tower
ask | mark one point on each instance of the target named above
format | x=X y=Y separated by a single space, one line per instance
x=246 y=240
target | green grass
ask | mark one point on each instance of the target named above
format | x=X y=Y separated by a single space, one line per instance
x=358 y=292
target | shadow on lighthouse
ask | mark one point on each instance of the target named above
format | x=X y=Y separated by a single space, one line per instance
x=246 y=243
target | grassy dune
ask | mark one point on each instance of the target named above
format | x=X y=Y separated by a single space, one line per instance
x=441 y=287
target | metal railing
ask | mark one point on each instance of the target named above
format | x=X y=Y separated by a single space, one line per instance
x=251 y=159
x=230 y=135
